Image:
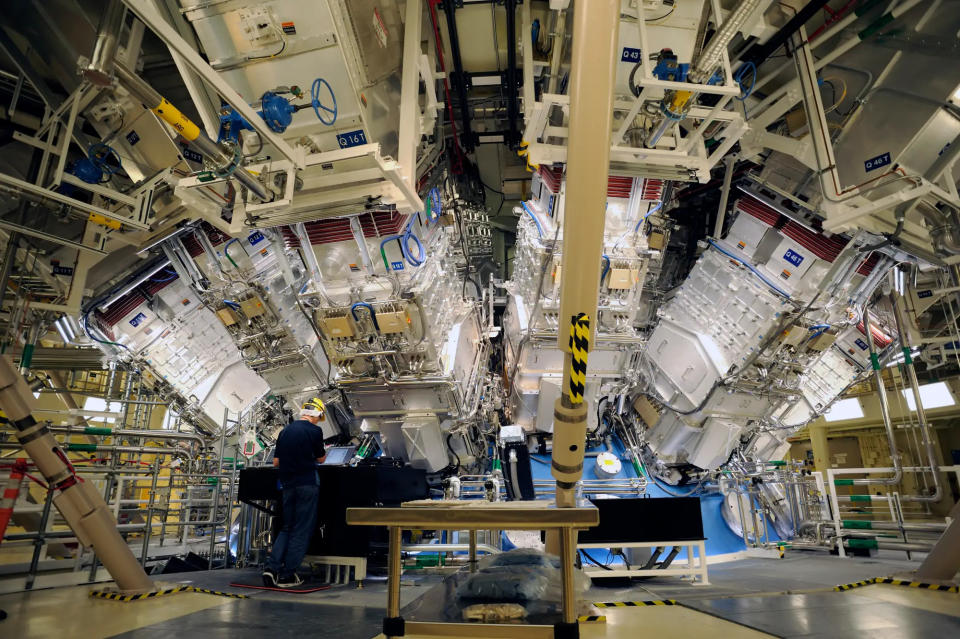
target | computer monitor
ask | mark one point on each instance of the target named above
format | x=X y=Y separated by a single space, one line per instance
x=339 y=455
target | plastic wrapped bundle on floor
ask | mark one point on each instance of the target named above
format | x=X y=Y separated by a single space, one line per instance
x=528 y=578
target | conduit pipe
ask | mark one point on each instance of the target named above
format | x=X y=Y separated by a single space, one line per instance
x=191 y=132
x=592 y=71
x=898 y=314
x=79 y=502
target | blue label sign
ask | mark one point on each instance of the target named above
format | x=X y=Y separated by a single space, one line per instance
x=133 y=138
x=62 y=270
x=397 y=266
x=255 y=237
x=351 y=138
x=877 y=162
x=138 y=319
x=792 y=257
x=862 y=344
x=630 y=55
x=922 y=294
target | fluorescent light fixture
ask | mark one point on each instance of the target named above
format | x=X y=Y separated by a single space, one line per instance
x=844 y=409
x=935 y=395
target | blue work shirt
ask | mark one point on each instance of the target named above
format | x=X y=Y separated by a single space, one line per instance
x=298 y=447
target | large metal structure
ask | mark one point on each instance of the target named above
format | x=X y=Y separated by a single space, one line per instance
x=306 y=214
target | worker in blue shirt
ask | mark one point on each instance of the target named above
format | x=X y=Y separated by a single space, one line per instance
x=299 y=448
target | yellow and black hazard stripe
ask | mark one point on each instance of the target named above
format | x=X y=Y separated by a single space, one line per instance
x=592 y=619
x=218 y=593
x=633 y=604
x=856 y=584
x=917 y=584
x=116 y=596
x=525 y=154
x=580 y=348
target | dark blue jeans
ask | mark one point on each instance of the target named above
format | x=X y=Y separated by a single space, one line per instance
x=299 y=518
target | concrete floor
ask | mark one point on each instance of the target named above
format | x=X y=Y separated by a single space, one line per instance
x=791 y=597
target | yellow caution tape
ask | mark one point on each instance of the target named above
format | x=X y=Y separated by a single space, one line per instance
x=592 y=619
x=579 y=347
x=633 y=604
x=116 y=596
x=898 y=582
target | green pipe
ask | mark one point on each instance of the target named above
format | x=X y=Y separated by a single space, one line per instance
x=863 y=543
x=780 y=462
x=26 y=358
x=866 y=498
x=226 y=251
x=857 y=524
x=96 y=430
x=843 y=482
x=82 y=448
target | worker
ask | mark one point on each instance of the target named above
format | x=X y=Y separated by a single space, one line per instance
x=299 y=448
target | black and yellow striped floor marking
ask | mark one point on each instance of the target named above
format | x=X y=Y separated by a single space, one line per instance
x=917 y=584
x=898 y=582
x=631 y=604
x=592 y=619
x=116 y=596
x=856 y=584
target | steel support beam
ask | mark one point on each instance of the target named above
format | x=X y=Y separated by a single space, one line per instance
x=145 y=10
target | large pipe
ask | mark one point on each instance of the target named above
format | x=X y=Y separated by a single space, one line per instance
x=884 y=413
x=98 y=70
x=79 y=502
x=592 y=71
x=185 y=127
x=898 y=314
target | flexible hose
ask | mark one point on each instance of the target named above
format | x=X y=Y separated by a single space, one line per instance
x=226 y=251
x=534 y=218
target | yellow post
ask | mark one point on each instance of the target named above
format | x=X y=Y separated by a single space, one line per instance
x=592 y=73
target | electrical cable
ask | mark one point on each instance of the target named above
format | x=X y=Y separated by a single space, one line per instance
x=594 y=561
x=369 y=307
x=749 y=266
x=606 y=267
x=534 y=218
x=226 y=251
x=450 y=448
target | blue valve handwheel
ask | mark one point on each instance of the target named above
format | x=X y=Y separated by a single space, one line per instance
x=319 y=107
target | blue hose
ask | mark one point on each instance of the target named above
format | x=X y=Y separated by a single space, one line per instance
x=534 y=218
x=405 y=247
x=606 y=268
x=648 y=214
x=232 y=304
x=373 y=313
x=750 y=266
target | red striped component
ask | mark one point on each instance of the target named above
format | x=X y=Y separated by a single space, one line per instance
x=652 y=189
x=618 y=186
x=758 y=210
x=867 y=266
x=880 y=339
x=192 y=245
x=381 y=224
x=11 y=490
x=551 y=176
x=826 y=248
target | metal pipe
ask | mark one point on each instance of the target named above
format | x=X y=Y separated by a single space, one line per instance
x=728 y=162
x=884 y=412
x=592 y=71
x=462 y=80
x=898 y=314
x=222 y=157
x=361 y=241
x=513 y=110
x=490 y=550
x=98 y=70
x=126 y=432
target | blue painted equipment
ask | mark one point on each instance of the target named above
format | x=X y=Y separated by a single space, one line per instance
x=669 y=69
x=277 y=111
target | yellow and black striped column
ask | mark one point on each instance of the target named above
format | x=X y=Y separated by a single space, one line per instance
x=570 y=414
